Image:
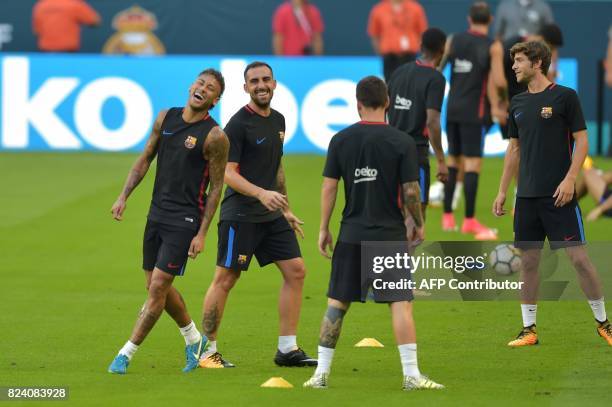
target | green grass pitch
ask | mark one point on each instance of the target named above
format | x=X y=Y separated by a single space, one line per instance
x=71 y=288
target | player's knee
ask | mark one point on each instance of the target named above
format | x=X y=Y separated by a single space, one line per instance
x=157 y=289
x=226 y=280
x=297 y=273
x=579 y=260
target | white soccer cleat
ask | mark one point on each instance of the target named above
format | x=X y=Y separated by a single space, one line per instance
x=420 y=383
x=317 y=381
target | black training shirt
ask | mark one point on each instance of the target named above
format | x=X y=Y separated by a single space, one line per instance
x=470 y=61
x=181 y=178
x=373 y=160
x=413 y=88
x=256 y=144
x=544 y=122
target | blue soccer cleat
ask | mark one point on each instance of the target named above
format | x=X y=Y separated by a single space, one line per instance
x=192 y=354
x=119 y=365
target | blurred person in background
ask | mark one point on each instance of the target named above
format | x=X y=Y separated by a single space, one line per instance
x=521 y=17
x=57 y=24
x=297 y=28
x=395 y=27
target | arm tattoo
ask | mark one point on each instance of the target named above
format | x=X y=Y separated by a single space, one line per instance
x=411 y=193
x=141 y=166
x=210 y=321
x=216 y=149
x=281 y=185
x=331 y=326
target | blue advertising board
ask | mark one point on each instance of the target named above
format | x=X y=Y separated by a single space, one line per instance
x=108 y=103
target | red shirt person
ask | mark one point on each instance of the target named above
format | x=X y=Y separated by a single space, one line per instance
x=297 y=29
x=57 y=23
x=395 y=27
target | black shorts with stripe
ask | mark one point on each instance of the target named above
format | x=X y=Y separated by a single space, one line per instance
x=166 y=247
x=424 y=172
x=537 y=219
x=268 y=241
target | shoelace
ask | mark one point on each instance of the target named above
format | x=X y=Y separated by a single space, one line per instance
x=216 y=357
x=607 y=328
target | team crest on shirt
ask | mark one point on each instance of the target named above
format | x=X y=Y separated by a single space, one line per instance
x=546 y=112
x=242 y=258
x=190 y=142
x=281 y=134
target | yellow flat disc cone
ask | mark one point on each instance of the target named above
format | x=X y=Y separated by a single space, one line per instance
x=277 y=382
x=369 y=343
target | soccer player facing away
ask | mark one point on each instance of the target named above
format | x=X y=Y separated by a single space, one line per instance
x=256 y=220
x=373 y=159
x=468 y=117
x=545 y=125
x=416 y=92
x=191 y=153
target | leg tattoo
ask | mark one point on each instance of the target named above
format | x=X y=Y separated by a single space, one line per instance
x=210 y=321
x=331 y=326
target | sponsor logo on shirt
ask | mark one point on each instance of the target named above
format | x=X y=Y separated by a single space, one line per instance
x=190 y=142
x=365 y=174
x=546 y=112
x=462 y=66
x=402 y=103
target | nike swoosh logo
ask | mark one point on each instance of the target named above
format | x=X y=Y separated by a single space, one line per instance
x=516 y=115
x=569 y=238
x=173 y=266
x=167 y=133
x=260 y=141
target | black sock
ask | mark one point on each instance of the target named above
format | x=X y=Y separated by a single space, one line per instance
x=449 y=189
x=470 y=186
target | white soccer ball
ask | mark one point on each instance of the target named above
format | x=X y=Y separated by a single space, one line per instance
x=436 y=194
x=505 y=259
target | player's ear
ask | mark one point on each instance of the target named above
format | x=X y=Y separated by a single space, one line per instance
x=245 y=88
x=387 y=103
x=273 y=84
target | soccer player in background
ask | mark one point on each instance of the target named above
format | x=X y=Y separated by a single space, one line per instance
x=373 y=159
x=540 y=123
x=416 y=92
x=256 y=220
x=191 y=152
x=468 y=117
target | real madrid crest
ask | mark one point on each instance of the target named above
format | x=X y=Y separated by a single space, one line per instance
x=546 y=112
x=190 y=142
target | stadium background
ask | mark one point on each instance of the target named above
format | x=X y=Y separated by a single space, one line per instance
x=71 y=284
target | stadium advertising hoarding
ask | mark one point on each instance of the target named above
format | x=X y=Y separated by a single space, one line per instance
x=102 y=103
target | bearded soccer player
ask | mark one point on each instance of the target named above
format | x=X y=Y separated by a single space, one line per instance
x=373 y=159
x=548 y=141
x=416 y=92
x=191 y=153
x=256 y=219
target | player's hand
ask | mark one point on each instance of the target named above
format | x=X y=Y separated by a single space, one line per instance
x=564 y=192
x=273 y=200
x=416 y=236
x=326 y=242
x=500 y=115
x=196 y=246
x=118 y=208
x=594 y=214
x=498 y=204
x=294 y=222
x=442 y=174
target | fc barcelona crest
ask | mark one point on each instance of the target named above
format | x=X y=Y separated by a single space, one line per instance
x=190 y=142
x=242 y=258
x=546 y=112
